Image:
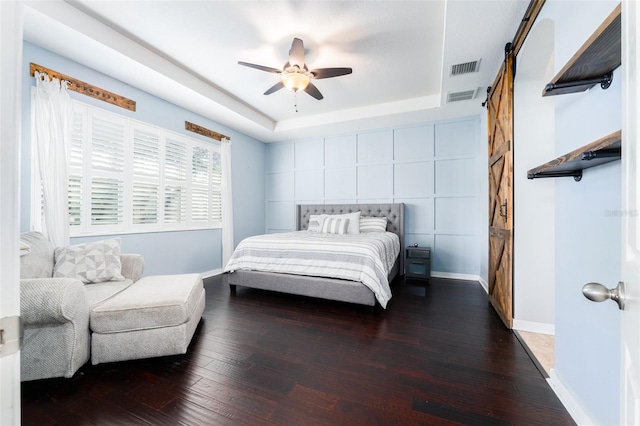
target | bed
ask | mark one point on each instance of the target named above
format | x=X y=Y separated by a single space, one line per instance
x=323 y=287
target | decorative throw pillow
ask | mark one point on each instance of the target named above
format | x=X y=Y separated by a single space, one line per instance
x=354 y=221
x=90 y=262
x=334 y=225
x=315 y=222
x=373 y=224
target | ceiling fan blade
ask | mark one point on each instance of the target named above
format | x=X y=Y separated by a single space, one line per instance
x=330 y=72
x=279 y=85
x=260 y=67
x=296 y=54
x=313 y=91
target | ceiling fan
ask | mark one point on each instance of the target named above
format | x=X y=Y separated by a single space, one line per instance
x=295 y=74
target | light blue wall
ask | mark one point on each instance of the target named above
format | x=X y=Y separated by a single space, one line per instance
x=164 y=252
x=588 y=250
x=534 y=200
x=433 y=168
x=587 y=238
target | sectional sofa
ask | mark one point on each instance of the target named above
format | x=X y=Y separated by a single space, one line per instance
x=91 y=301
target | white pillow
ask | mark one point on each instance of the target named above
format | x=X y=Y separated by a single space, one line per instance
x=332 y=225
x=373 y=224
x=90 y=263
x=354 y=221
x=315 y=222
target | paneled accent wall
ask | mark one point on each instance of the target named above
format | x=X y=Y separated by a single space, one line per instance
x=432 y=168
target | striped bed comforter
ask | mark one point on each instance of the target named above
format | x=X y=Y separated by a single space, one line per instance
x=367 y=258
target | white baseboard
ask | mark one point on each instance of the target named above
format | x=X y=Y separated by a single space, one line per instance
x=455 y=276
x=576 y=410
x=534 y=327
x=484 y=284
x=211 y=273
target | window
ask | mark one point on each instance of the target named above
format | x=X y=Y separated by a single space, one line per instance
x=128 y=176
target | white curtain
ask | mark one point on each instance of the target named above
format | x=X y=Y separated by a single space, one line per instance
x=52 y=133
x=227 y=202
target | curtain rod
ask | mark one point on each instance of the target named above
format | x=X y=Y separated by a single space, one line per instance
x=85 y=88
x=205 y=132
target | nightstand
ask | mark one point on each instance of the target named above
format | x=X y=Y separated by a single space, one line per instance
x=418 y=263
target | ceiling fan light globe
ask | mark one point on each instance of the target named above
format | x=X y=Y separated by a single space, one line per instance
x=295 y=81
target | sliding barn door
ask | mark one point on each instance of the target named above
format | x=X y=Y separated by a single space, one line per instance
x=500 y=106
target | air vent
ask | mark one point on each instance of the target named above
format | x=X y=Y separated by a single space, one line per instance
x=465 y=95
x=466 y=68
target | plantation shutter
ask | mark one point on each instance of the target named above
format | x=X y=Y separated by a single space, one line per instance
x=146 y=176
x=76 y=172
x=107 y=163
x=175 y=178
x=216 y=189
x=128 y=176
x=200 y=174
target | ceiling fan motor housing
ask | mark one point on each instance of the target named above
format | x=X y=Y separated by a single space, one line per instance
x=295 y=74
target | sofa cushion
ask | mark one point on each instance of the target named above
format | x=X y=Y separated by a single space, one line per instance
x=151 y=302
x=98 y=293
x=39 y=262
x=93 y=262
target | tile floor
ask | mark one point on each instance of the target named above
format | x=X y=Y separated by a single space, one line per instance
x=542 y=346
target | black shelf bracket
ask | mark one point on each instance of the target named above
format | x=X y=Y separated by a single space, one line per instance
x=603 y=153
x=577 y=175
x=604 y=82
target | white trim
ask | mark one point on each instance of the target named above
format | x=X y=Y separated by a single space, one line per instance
x=576 y=410
x=455 y=276
x=484 y=284
x=10 y=143
x=150 y=231
x=211 y=273
x=534 y=327
x=522 y=325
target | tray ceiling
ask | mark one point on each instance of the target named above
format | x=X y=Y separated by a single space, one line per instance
x=186 y=52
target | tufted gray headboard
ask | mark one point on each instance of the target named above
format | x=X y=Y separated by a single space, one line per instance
x=393 y=212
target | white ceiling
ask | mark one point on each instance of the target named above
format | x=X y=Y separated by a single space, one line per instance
x=187 y=52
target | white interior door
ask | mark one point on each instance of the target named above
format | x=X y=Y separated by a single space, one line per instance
x=10 y=71
x=630 y=332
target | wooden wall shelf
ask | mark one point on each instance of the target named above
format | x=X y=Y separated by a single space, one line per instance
x=594 y=62
x=602 y=151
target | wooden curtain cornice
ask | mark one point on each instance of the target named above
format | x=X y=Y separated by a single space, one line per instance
x=86 y=88
x=204 y=131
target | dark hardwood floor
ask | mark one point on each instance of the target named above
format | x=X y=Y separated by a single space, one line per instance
x=438 y=355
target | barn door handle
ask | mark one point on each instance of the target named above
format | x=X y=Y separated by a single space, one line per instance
x=503 y=210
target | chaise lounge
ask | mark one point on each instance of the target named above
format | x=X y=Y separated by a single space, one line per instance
x=119 y=315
